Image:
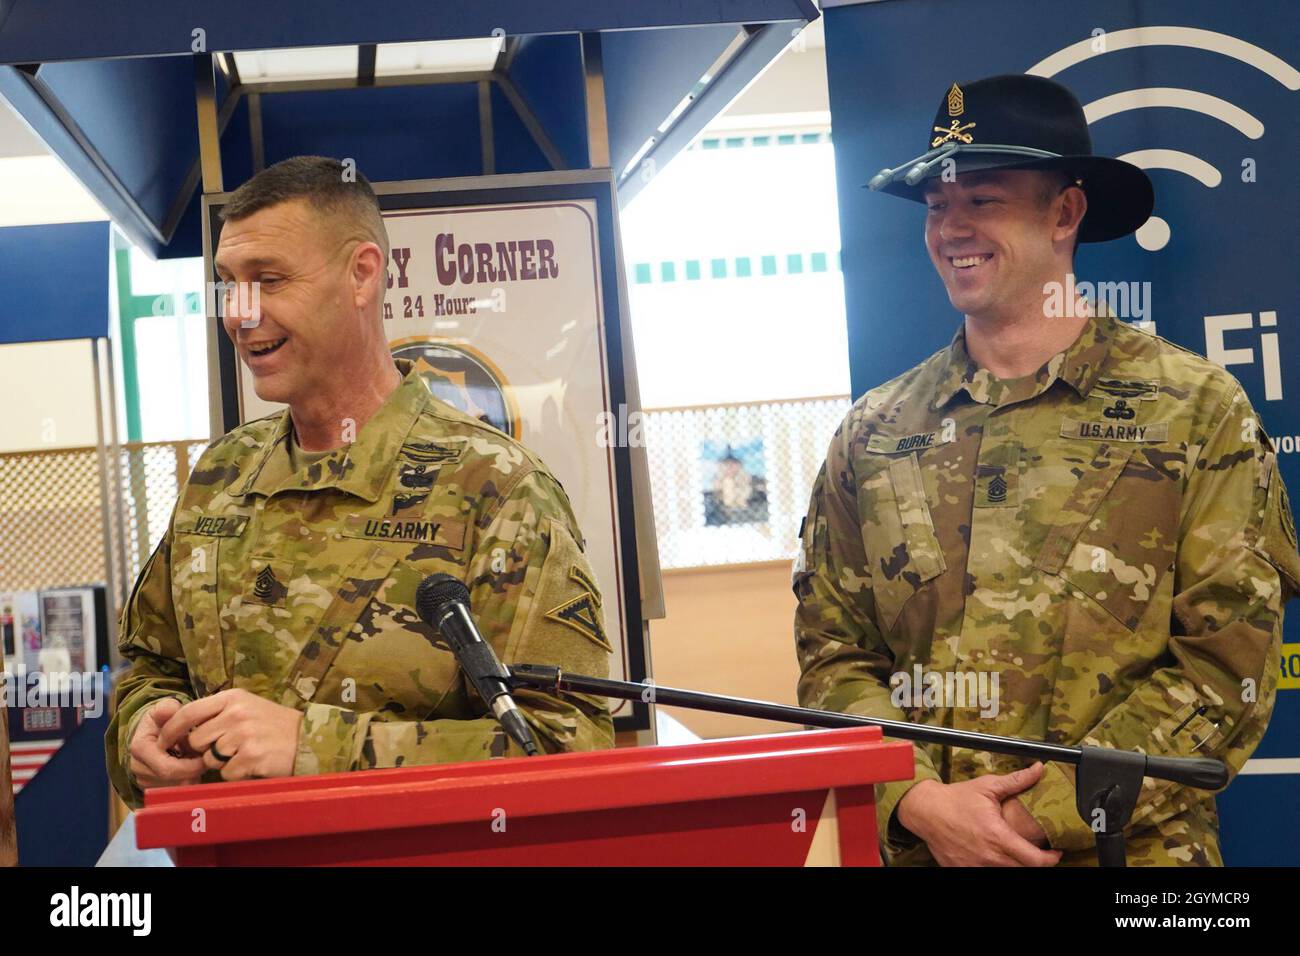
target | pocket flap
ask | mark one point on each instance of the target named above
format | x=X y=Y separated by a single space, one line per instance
x=198 y=612
x=1093 y=486
x=357 y=585
x=923 y=551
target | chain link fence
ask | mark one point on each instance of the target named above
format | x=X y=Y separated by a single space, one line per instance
x=730 y=483
x=51 y=519
x=155 y=474
x=53 y=512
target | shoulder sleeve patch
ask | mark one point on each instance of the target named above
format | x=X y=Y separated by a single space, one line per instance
x=582 y=613
x=581 y=578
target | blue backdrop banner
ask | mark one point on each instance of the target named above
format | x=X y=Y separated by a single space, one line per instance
x=1205 y=95
x=54 y=282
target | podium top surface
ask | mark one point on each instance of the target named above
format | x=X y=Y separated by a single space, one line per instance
x=530 y=786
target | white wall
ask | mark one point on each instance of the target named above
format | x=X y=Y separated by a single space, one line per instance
x=36 y=190
x=47 y=396
x=47 y=389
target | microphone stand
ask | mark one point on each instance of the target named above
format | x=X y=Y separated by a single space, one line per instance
x=1107 y=781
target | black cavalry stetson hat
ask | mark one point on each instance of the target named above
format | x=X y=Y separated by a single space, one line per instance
x=1026 y=122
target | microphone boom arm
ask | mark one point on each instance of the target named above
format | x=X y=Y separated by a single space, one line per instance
x=1107 y=780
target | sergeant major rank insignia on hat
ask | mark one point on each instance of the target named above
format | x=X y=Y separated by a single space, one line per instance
x=956 y=129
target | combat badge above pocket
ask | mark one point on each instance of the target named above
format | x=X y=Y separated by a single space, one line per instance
x=418 y=464
x=430 y=453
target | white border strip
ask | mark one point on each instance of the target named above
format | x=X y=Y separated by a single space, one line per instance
x=1273 y=765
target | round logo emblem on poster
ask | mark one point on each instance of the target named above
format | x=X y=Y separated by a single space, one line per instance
x=464 y=378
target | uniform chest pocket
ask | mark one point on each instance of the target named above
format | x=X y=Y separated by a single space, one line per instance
x=359 y=582
x=371 y=651
x=898 y=535
x=1116 y=535
x=196 y=555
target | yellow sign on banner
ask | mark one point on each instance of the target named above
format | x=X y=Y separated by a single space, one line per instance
x=1290 y=676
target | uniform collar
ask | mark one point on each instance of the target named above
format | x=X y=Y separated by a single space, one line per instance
x=1079 y=366
x=362 y=468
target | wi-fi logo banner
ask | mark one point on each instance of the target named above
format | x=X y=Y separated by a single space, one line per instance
x=1155 y=233
x=1207 y=99
x=1210 y=107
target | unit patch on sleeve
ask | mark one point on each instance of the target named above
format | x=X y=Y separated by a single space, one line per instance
x=582 y=613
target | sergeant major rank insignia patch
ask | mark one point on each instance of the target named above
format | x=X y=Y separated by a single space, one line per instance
x=956 y=130
x=267 y=588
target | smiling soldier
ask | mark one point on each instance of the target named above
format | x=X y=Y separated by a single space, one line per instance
x=1088 y=512
x=274 y=630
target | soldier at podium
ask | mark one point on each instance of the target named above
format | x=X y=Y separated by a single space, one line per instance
x=274 y=630
x=1070 y=511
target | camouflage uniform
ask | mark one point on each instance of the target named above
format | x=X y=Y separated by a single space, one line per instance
x=1110 y=536
x=300 y=587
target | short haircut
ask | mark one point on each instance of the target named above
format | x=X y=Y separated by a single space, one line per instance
x=1053 y=183
x=332 y=189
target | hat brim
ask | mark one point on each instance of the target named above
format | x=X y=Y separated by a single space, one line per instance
x=1120 y=195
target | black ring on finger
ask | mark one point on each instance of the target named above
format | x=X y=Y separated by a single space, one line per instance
x=218 y=754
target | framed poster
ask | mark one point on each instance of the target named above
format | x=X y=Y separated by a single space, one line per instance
x=68 y=630
x=509 y=290
x=54 y=682
x=55 y=632
x=20 y=630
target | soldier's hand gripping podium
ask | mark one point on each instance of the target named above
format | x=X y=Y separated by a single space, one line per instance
x=274 y=630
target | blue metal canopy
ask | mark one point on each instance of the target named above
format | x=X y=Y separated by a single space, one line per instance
x=55 y=279
x=121 y=92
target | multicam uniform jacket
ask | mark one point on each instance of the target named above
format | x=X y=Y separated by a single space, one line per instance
x=300 y=587
x=1110 y=538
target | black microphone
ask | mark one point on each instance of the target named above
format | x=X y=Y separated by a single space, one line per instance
x=443 y=603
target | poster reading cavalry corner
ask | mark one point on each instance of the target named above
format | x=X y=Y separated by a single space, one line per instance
x=505 y=303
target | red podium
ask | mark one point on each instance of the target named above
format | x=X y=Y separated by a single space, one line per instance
x=777 y=800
